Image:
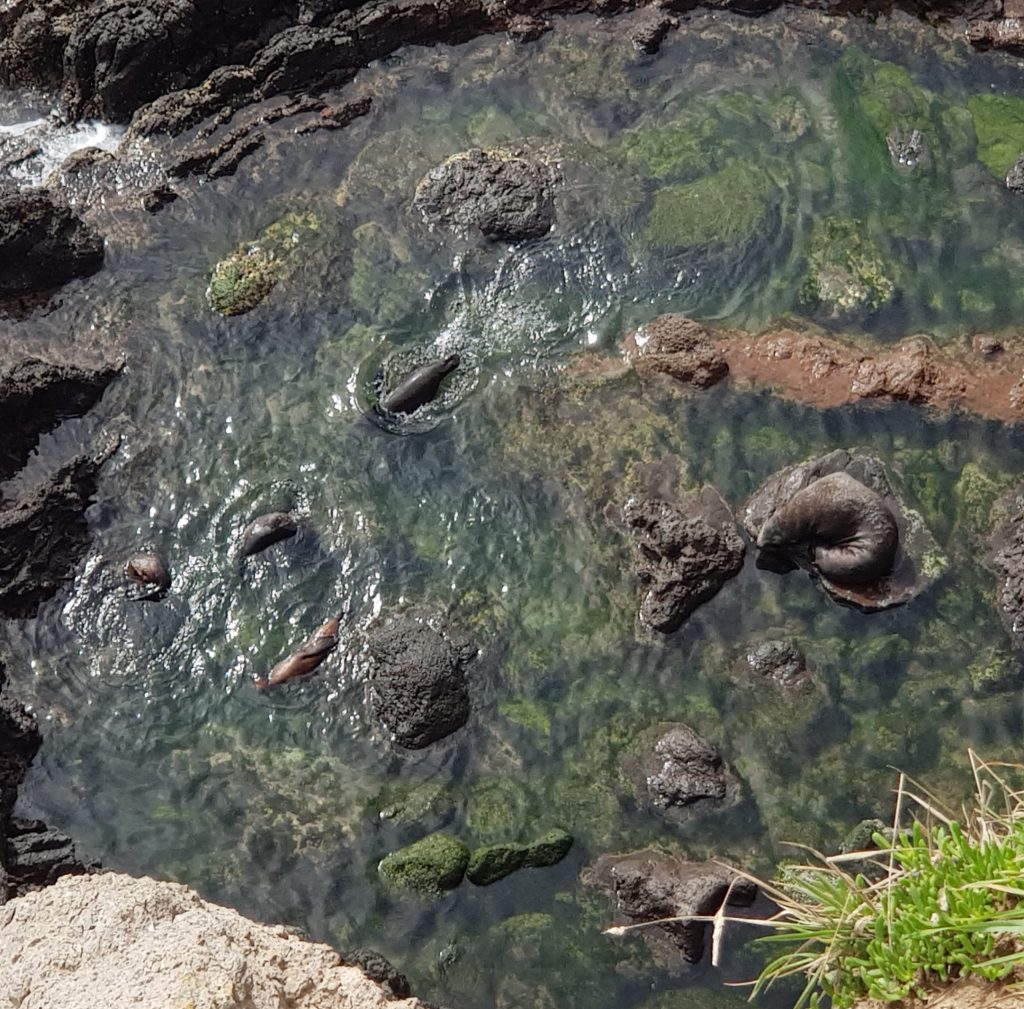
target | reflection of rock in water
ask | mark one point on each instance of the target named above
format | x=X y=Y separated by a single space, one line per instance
x=909 y=570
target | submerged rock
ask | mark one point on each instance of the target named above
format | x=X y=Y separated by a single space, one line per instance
x=779 y=661
x=378 y=968
x=505 y=195
x=496 y=861
x=427 y=867
x=845 y=272
x=913 y=565
x=683 y=554
x=678 y=347
x=649 y=885
x=650 y=29
x=418 y=683
x=1007 y=559
x=43 y=245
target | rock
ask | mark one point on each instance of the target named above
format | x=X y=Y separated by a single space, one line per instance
x=906 y=151
x=650 y=31
x=1004 y=34
x=111 y=940
x=1015 y=176
x=496 y=861
x=428 y=867
x=845 y=273
x=1007 y=559
x=682 y=554
x=524 y=28
x=678 y=347
x=44 y=535
x=418 y=683
x=505 y=195
x=675 y=770
x=649 y=885
x=779 y=661
x=986 y=345
x=36 y=395
x=43 y=245
x=378 y=968
x=861 y=837
x=918 y=562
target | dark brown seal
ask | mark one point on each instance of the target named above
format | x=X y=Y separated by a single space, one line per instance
x=420 y=387
x=839 y=526
x=305 y=658
x=148 y=570
x=266 y=530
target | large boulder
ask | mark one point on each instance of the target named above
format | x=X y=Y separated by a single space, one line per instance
x=917 y=560
x=504 y=195
x=42 y=245
x=418 y=683
x=650 y=885
x=111 y=940
x=678 y=347
x=683 y=554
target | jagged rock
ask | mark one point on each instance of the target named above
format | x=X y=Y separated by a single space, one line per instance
x=676 y=771
x=1015 y=176
x=44 y=534
x=111 y=940
x=37 y=856
x=36 y=395
x=503 y=194
x=650 y=31
x=649 y=885
x=378 y=968
x=418 y=683
x=1008 y=561
x=43 y=245
x=678 y=347
x=918 y=560
x=683 y=554
x=779 y=661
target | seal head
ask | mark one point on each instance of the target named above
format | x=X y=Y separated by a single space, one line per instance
x=838 y=526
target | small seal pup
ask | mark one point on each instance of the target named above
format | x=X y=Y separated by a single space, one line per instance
x=305 y=658
x=148 y=569
x=842 y=528
x=418 y=388
x=266 y=530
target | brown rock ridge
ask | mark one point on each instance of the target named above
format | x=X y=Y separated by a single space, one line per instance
x=112 y=940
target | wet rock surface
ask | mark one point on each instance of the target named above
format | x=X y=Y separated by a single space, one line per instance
x=649 y=884
x=504 y=195
x=779 y=661
x=1007 y=560
x=378 y=968
x=418 y=684
x=678 y=347
x=494 y=862
x=679 y=772
x=683 y=554
x=917 y=561
x=43 y=245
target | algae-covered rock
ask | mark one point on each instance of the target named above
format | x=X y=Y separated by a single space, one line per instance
x=428 y=867
x=496 y=861
x=845 y=271
x=548 y=850
x=242 y=280
x=999 y=127
x=726 y=210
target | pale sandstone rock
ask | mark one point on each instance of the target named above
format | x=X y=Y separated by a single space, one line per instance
x=112 y=940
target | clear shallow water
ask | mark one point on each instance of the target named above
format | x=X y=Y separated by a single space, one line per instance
x=161 y=758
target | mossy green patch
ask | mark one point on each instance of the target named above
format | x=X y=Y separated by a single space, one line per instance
x=384 y=283
x=428 y=867
x=999 y=126
x=845 y=270
x=726 y=209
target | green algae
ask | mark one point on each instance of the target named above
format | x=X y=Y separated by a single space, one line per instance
x=384 y=283
x=527 y=712
x=242 y=280
x=494 y=862
x=845 y=270
x=727 y=209
x=427 y=867
x=999 y=126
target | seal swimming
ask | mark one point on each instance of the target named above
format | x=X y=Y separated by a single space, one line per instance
x=842 y=528
x=149 y=570
x=418 y=388
x=305 y=658
x=266 y=530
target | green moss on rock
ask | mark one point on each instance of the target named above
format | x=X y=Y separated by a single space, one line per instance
x=428 y=867
x=845 y=270
x=548 y=850
x=999 y=127
x=493 y=862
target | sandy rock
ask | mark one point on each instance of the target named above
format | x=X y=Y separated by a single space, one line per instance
x=678 y=347
x=111 y=940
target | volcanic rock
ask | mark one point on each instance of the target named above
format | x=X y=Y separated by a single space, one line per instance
x=505 y=195
x=682 y=554
x=649 y=885
x=779 y=661
x=418 y=683
x=678 y=347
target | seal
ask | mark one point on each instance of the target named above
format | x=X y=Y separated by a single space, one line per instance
x=149 y=570
x=842 y=528
x=266 y=530
x=305 y=658
x=418 y=388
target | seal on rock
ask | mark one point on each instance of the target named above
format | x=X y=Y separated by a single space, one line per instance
x=839 y=526
x=418 y=388
x=149 y=570
x=266 y=530
x=305 y=658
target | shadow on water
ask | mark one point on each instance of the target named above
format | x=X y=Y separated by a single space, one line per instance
x=693 y=181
